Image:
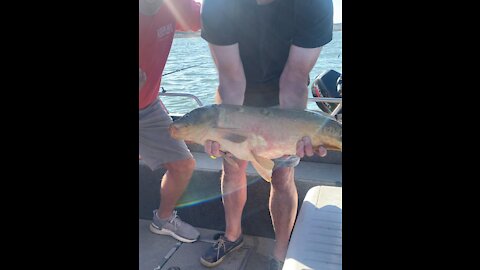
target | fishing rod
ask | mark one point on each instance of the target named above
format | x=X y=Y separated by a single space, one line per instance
x=164 y=92
x=181 y=69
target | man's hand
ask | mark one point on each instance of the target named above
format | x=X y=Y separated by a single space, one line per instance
x=304 y=147
x=142 y=77
x=212 y=148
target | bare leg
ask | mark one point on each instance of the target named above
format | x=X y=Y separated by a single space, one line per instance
x=234 y=195
x=174 y=183
x=283 y=208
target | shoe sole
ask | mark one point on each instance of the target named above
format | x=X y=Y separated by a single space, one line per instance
x=156 y=230
x=209 y=264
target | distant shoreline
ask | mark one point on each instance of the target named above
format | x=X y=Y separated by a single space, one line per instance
x=336 y=27
x=187 y=34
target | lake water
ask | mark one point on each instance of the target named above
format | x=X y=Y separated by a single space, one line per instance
x=202 y=80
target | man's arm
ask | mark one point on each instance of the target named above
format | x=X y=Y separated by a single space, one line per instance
x=231 y=77
x=232 y=82
x=313 y=29
x=219 y=31
x=294 y=89
x=293 y=81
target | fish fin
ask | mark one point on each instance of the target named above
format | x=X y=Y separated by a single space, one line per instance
x=329 y=148
x=230 y=161
x=264 y=167
x=264 y=173
x=235 y=135
x=264 y=162
x=333 y=148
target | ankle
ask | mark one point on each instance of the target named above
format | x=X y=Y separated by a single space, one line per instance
x=278 y=256
x=163 y=216
x=233 y=237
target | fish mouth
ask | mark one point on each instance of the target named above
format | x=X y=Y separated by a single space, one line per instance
x=174 y=131
x=180 y=131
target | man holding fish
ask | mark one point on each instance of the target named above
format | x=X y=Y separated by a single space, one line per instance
x=264 y=51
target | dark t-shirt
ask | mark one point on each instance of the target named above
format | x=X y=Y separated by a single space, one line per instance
x=264 y=34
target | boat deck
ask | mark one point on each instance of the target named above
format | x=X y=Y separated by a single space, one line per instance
x=165 y=253
x=202 y=207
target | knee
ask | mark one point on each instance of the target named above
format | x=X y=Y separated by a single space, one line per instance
x=182 y=166
x=232 y=171
x=283 y=179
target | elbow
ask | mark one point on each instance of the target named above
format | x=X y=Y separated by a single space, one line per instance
x=293 y=91
x=294 y=82
x=295 y=75
x=231 y=90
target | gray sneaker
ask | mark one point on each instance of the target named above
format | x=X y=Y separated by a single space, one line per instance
x=175 y=227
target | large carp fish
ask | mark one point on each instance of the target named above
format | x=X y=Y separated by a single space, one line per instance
x=257 y=134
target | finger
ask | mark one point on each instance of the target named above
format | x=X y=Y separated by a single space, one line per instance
x=300 y=149
x=321 y=151
x=225 y=154
x=208 y=147
x=308 y=146
x=216 y=149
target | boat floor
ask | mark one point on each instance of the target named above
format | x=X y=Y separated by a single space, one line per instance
x=205 y=210
x=166 y=253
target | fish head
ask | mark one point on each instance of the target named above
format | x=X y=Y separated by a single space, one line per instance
x=194 y=124
x=331 y=134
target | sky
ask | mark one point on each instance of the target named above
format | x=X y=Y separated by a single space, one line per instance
x=337 y=10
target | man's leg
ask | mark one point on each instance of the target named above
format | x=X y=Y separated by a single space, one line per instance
x=174 y=183
x=165 y=219
x=157 y=150
x=234 y=195
x=283 y=208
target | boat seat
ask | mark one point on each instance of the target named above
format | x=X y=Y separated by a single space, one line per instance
x=316 y=241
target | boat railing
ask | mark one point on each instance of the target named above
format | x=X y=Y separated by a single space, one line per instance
x=330 y=100
x=314 y=99
x=164 y=93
